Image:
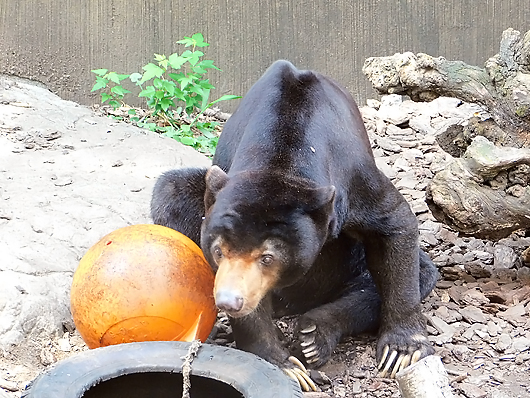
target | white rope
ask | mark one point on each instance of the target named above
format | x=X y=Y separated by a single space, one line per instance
x=186 y=367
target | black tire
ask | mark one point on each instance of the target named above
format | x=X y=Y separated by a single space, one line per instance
x=83 y=373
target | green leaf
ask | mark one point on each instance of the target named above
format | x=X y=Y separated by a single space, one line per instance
x=187 y=41
x=151 y=71
x=135 y=77
x=188 y=140
x=157 y=83
x=169 y=87
x=198 y=40
x=194 y=58
x=150 y=126
x=207 y=64
x=205 y=97
x=184 y=82
x=100 y=83
x=148 y=92
x=105 y=97
x=100 y=72
x=176 y=61
x=204 y=84
x=119 y=90
x=165 y=103
x=113 y=77
x=122 y=77
x=131 y=112
x=115 y=104
x=225 y=98
x=159 y=94
x=177 y=76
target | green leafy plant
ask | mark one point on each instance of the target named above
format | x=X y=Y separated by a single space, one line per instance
x=177 y=92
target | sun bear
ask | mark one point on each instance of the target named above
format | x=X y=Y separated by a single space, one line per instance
x=295 y=218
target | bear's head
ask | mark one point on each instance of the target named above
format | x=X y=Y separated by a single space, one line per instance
x=262 y=231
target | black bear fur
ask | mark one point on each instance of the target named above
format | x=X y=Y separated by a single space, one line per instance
x=295 y=200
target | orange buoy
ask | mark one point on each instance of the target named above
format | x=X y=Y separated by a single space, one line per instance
x=143 y=283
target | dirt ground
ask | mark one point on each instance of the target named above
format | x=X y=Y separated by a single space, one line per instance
x=478 y=321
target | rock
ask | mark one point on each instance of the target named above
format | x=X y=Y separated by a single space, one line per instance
x=462 y=352
x=46 y=357
x=8 y=385
x=412 y=155
x=504 y=257
x=513 y=314
x=503 y=342
x=422 y=124
x=406 y=180
x=4 y=394
x=373 y=103
x=401 y=164
x=493 y=328
x=448 y=315
x=388 y=145
x=441 y=325
x=339 y=391
x=474 y=297
x=472 y=391
x=476 y=268
x=64 y=344
x=42 y=245
x=520 y=344
x=473 y=314
x=382 y=164
x=523 y=274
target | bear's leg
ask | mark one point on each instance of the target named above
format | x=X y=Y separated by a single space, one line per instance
x=257 y=333
x=178 y=201
x=320 y=329
x=358 y=311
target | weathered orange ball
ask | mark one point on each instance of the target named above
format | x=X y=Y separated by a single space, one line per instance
x=143 y=283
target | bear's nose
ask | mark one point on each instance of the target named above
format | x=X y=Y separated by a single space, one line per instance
x=228 y=300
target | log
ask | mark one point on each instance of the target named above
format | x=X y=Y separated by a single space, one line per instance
x=485 y=191
x=426 y=378
x=502 y=86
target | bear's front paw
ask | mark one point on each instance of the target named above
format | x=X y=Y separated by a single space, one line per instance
x=397 y=349
x=317 y=340
x=300 y=374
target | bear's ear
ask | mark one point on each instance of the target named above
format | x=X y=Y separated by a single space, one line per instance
x=216 y=179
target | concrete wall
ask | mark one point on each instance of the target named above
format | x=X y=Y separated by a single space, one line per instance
x=58 y=42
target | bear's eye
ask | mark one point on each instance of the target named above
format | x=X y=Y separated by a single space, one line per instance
x=218 y=253
x=267 y=259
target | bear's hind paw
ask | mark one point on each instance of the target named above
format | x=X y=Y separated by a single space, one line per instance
x=300 y=374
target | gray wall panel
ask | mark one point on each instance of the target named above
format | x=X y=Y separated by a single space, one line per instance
x=58 y=41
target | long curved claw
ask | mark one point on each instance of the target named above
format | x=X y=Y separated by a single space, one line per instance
x=296 y=376
x=307 y=343
x=389 y=362
x=404 y=362
x=415 y=357
x=309 y=329
x=397 y=366
x=301 y=375
x=401 y=363
x=383 y=357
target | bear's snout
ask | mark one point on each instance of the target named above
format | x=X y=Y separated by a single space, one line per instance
x=229 y=301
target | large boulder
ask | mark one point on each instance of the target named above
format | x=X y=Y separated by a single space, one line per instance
x=67 y=178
